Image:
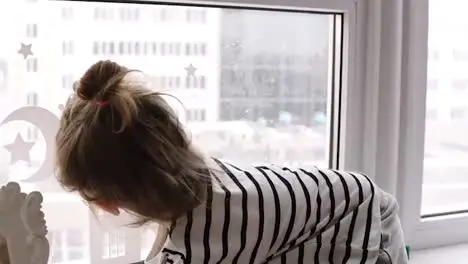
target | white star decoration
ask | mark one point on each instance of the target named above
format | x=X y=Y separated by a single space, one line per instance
x=191 y=70
x=25 y=50
x=19 y=150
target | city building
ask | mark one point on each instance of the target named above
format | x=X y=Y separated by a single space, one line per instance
x=279 y=76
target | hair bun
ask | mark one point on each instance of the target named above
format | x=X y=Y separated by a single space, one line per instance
x=97 y=80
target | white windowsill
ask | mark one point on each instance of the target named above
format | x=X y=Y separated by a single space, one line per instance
x=453 y=254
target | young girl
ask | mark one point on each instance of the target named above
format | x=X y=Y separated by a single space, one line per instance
x=122 y=148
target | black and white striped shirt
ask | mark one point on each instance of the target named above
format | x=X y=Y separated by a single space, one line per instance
x=269 y=214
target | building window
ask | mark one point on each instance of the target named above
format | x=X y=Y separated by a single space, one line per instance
x=177 y=82
x=68 y=81
x=129 y=14
x=162 y=49
x=195 y=15
x=66 y=245
x=195 y=82
x=187 y=49
x=154 y=48
x=32 y=99
x=95 y=48
x=203 y=49
x=67 y=47
x=111 y=48
x=31 y=65
x=162 y=14
x=202 y=82
x=129 y=48
x=177 y=48
x=32 y=132
x=67 y=13
x=137 y=48
x=114 y=244
x=103 y=14
x=3 y=75
x=162 y=82
x=195 y=115
x=104 y=48
x=31 y=30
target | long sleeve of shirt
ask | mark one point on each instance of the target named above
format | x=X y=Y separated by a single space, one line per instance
x=271 y=214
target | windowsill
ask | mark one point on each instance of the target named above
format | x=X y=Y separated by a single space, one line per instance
x=453 y=254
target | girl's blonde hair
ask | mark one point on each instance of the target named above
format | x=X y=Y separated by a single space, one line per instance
x=120 y=142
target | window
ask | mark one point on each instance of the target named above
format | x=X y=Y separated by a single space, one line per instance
x=195 y=115
x=31 y=30
x=245 y=90
x=103 y=14
x=67 y=47
x=203 y=49
x=160 y=14
x=195 y=82
x=31 y=65
x=32 y=133
x=446 y=168
x=114 y=244
x=195 y=15
x=32 y=99
x=202 y=82
x=162 y=49
x=199 y=49
x=68 y=81
x=129 y=14
x=67 y=13
x=66 y=245
x=3 y=75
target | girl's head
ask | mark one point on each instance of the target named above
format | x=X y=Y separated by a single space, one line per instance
x=121 y=147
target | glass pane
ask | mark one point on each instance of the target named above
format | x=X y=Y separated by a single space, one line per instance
x=446 y=152
x=254 y=87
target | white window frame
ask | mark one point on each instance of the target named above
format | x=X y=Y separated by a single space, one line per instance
x=392 y=58
x=440 y=231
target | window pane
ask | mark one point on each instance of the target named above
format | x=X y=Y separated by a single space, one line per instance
x=445 y=186
x=254 y=87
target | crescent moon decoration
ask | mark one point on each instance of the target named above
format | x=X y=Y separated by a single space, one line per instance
x=48 y=124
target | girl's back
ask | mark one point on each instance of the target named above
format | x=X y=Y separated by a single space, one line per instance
x=270 y=214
